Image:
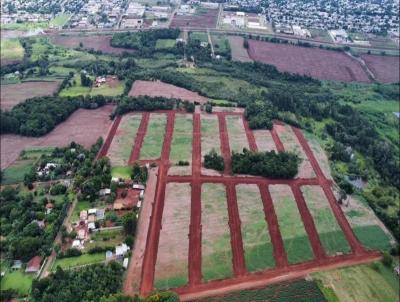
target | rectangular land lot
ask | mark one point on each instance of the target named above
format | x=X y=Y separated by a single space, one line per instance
x=216 y=240
x=206 y=18
x=237 y=134
x=13 y=94
x=294 y=235
x=11 y=51
x=154 y=138
x=209 y=134
x=264 y=140
x=173 y=249
x=318 y=63
x=239 y=53
x=331 y=235
x=291 y=143
x=122 y=143
x=385 y=68
x=256 y=240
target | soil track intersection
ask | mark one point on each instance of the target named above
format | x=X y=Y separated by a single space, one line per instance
x=241 y=278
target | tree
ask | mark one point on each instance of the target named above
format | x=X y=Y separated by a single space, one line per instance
x=387 y=260
x=214 y=161
x=129 y=223
x=208 y=108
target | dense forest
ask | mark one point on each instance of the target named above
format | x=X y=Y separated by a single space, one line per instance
x=268 y=164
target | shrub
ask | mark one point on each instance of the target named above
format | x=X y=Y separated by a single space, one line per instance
x=214 y=161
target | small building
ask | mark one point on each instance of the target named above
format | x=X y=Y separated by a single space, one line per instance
x=16 y=265
x=92 y=211
x=104 y=192
x=33 y=265
x=121 y=250
x=138 y=187
x=100 y=214
x=81 y=234
x=125 y=263
x=91 y=226
x=109 y=255
x=141 y=195
x=83 y=215
x=76 y=244
x=49 y=207
x=139 y=204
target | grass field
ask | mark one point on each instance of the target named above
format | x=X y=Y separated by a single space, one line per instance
x=60 y=20
x=209 y=134
x=216 y=247
x=154 y=139
x=373 y=237
x=165 y=43
x=76 y=89
x=256 y=240
x=11 y=49
x=85 y=259
x=18 y=281
x=107 y=90
x=221 y=45
x=122 y=143
x=202 y=36
x=181 y=147
x=173 y=250
x=237 y=134
x=294 y=235
x=330 y=233
x=106 y=239
x=370 y=282
x=121 y=172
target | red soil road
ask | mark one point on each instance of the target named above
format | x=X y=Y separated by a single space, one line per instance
x=239 y=267
x=326 y=186
x=273 y=227
x=224 y=138
x=309 y=225
x=195 y=215
x=262 y=279
x=111 y=133
x=153 y=237
x=277 y=140
x=250 y=135
x=318 y=63
x=138 y=141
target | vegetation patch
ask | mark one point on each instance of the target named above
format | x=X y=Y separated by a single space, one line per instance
x=85 y=259
x=294 y=235
x=216 y=240
x=165 y=43
x=11 y=51
x=154 y=139
x=209 y=134
x=237 y=135
x=256 y=240
x=181 y=146
x=17 y=280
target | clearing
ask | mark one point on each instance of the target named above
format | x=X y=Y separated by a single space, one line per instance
x=173 y=249
x=204 y=18
x=236 y=133
x=216 y=240
x=239 y=53
x=294 y=235
x=13 y=94
x=329 y=231
x=158 y=88
x=12 y=51
x=154 y=138
x=122 y=143
x=256 y=240
x=264 y=140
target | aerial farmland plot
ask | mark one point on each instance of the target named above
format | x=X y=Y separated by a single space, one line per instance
x=154 y=137
x=258 y=250
x=264 y=140
x=291 y=143
x=121 y=146
x=216 y=246
x=330 y=233
x=173 y=250
x=294 y=235
x=236 y=133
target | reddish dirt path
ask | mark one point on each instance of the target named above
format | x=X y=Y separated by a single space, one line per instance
x=273 y=228
x=277 y=140
x=325 y=183
x=153 y=237
x=239 y=267
x=138 y=141
x=224 y=138
x=111 y=133
x=309 y=225
x=195 y=215
x=221 y=287
x=250 y=135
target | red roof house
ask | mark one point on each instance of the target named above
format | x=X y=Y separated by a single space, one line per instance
x=33 y=265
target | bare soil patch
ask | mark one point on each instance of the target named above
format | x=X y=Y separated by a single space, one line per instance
x=13 y=94
x=205 y=20
x=158 y=88
x=173 y=248
x=264 y=140
x=385 y=68
x=83 y=127
x=317 y=63
x=237 y=134
x=102 y=43
x=239 y=53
